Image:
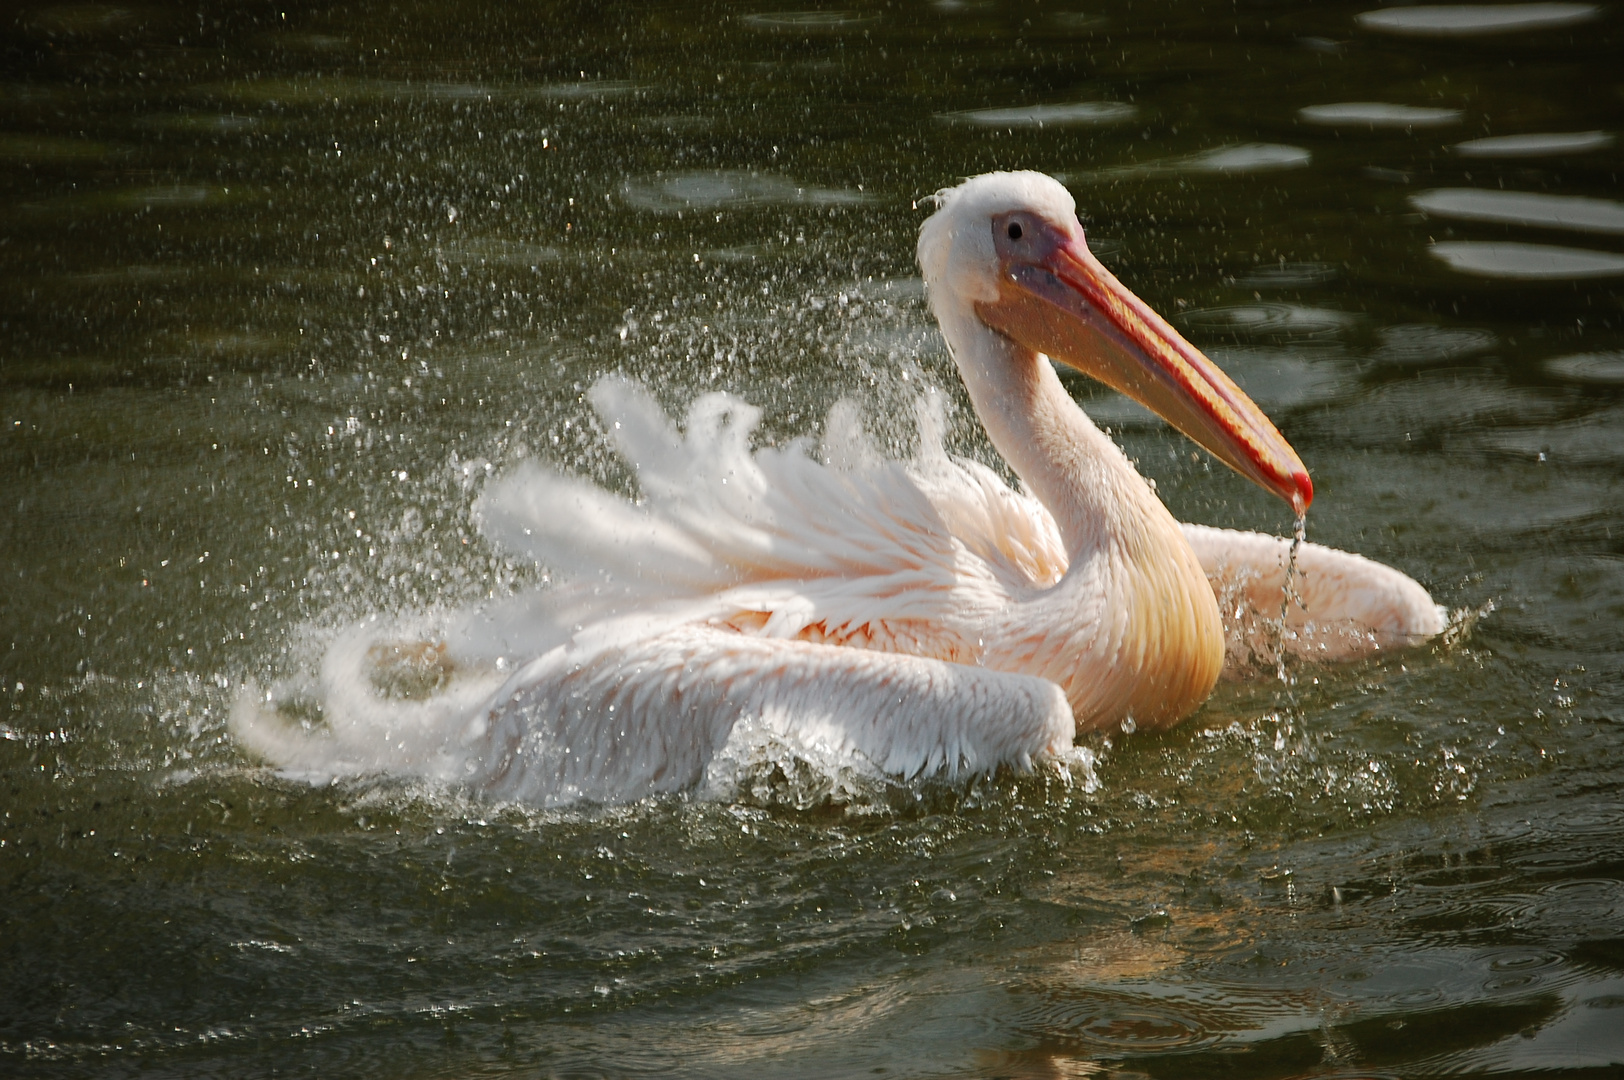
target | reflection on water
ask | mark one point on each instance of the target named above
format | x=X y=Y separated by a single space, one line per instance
x=1378 y=114
x=29 y=150
x=1468 y=20
x=206 y=123
x=1530 y=262
x=84 y=19
x=495 y=251
x=1074 y=114
x=282 y=293
x=727 y=188
x=1249 y=157
x=1245 y=158
x=345 y=90
x=1574 y=212
x=1270 y=320
x=1605 y=369
x=1541 y=145
x=1288 y=275
x=1422 y=343
x=809 y=22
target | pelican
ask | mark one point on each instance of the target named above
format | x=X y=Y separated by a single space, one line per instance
x=921 y=617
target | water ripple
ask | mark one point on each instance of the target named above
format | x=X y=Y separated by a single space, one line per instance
x=1255 y=320
x=808 y=22
x=1378 y=114
x=1542 y=144
x=1526 y=262
x=1598 y=368
x=1423 y=343
x=1073 y=114
x=729 y=188
x=1470 y=20
x=1575 y=212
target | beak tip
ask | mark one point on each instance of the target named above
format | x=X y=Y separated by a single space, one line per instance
x=1302 y=495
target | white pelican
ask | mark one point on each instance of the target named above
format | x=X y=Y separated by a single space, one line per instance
x=922 y=616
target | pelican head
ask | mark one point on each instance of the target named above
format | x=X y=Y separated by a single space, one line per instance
x=1008 y=249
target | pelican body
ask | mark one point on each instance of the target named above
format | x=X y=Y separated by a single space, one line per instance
x=920 y=617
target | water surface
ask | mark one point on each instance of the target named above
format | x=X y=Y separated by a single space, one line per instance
x=285 y=286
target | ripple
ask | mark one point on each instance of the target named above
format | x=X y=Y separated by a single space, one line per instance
x=1598 y=368
x=84 y=19
x=173 y=195
x=1288 y=275
x=157 y=197
x=1277 y=378
x=1589 y=442
x=1287 y=377
x=318 y=43
x=1419 y=343
x=204 y=123
x=1576 y=212
x=586 y=89
x=235 y=342
x=1251 y=157
x=1076 y=20
x=1259 y=319
x=1072 y=114
x=341 y=90
x=728 y=188
x=1524 y=959
x=1527 y=262
x=1138 y=1028
x=1240 y=158
x=1117 y=1022
x=815 y=22
x=336 y=90
x=1535 y=145
x=1378 y=114
x=264 y=946
x=1467 y=20
x=138 y=274
x=673 y=124
x=43 y=149
x=490 y=251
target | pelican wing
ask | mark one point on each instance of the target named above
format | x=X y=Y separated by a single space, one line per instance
x=607 y=722
x=1351 y=606
x=776 y=532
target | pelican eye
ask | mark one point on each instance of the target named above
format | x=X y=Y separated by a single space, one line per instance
x=1014 y=230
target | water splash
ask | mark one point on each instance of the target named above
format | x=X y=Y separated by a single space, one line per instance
x=1285 y=718
x=1288 y=596
x=1462 y=621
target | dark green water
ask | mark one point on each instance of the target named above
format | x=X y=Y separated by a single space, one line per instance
x=280 y=280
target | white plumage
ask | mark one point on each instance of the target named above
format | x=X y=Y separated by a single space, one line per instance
x=921 y=618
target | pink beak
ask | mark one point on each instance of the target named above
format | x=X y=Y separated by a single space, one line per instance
x=1056 y=298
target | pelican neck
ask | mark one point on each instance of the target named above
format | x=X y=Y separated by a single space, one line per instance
x=1094 y=493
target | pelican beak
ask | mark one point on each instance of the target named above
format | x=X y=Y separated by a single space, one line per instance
x=1056 y=298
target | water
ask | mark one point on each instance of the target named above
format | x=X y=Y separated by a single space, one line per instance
x=282 y=292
